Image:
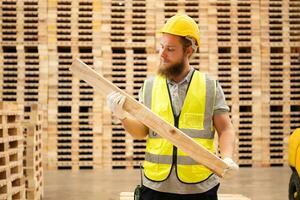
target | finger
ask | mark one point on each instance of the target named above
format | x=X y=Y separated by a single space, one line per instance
x=118 y=98
x=122 y=100
x=115 y=104
x=110 y=96
x=115 y=100
x=115 y=94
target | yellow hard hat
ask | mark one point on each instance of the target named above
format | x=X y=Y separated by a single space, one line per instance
x=182 y=25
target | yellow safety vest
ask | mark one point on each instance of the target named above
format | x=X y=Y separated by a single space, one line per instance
x=194 y=120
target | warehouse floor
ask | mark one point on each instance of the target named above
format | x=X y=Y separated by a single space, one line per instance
x=256 y=183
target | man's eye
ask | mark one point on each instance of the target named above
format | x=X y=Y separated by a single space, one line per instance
x=171 y=49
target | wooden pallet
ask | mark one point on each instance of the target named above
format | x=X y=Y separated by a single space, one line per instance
x=11 y=152
x=33 y=160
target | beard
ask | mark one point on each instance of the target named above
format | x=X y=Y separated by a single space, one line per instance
x=172 y=70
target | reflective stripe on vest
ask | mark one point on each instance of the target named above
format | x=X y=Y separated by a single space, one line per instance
x=195 y=120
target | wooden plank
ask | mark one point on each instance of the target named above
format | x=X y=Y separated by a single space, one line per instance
x=153 y=121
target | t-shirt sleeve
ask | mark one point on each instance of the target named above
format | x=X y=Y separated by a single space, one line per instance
x=220 y=103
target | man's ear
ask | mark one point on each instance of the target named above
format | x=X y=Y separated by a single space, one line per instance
x=189 y=51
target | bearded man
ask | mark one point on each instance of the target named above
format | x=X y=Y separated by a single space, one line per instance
x=194 y=102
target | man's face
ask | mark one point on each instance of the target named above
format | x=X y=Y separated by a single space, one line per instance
x=171 y=56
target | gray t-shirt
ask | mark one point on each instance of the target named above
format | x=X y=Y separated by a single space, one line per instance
x=172 y=184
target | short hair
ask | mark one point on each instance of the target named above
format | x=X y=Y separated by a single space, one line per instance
x=185 y=42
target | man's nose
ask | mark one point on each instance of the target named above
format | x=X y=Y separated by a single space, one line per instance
x=162 y=52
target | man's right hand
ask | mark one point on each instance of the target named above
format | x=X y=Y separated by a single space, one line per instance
x=115 y=102
x=232 y=167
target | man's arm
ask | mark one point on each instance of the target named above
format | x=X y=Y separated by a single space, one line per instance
x=224 y=127
x=226 y=134
x=135 y=128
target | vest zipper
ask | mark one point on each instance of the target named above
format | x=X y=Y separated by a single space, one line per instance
x=174 y=160
x=176 y=120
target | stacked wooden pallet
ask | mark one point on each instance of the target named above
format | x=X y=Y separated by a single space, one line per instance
x=294 y=40
x=24 y=80
x=251 y=47
x=276 y=64
x=33 y=153
x=24 y=52
x=74 y=132
x=11 y=152
x=128 y=55
x=9 y=57
x=235 y=63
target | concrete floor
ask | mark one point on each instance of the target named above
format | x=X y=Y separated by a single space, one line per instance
x=255 y=183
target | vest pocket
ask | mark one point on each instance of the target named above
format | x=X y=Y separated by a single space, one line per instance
x=193 y=121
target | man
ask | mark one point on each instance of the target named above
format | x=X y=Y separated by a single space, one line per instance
x=192 y=101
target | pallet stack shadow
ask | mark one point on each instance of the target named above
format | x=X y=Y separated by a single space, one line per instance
x=75 y=118
x=11 y=152
x=33 y=151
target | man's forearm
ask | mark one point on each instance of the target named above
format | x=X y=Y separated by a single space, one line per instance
x=135 y=128
x=227 y=142
x=226 y=134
